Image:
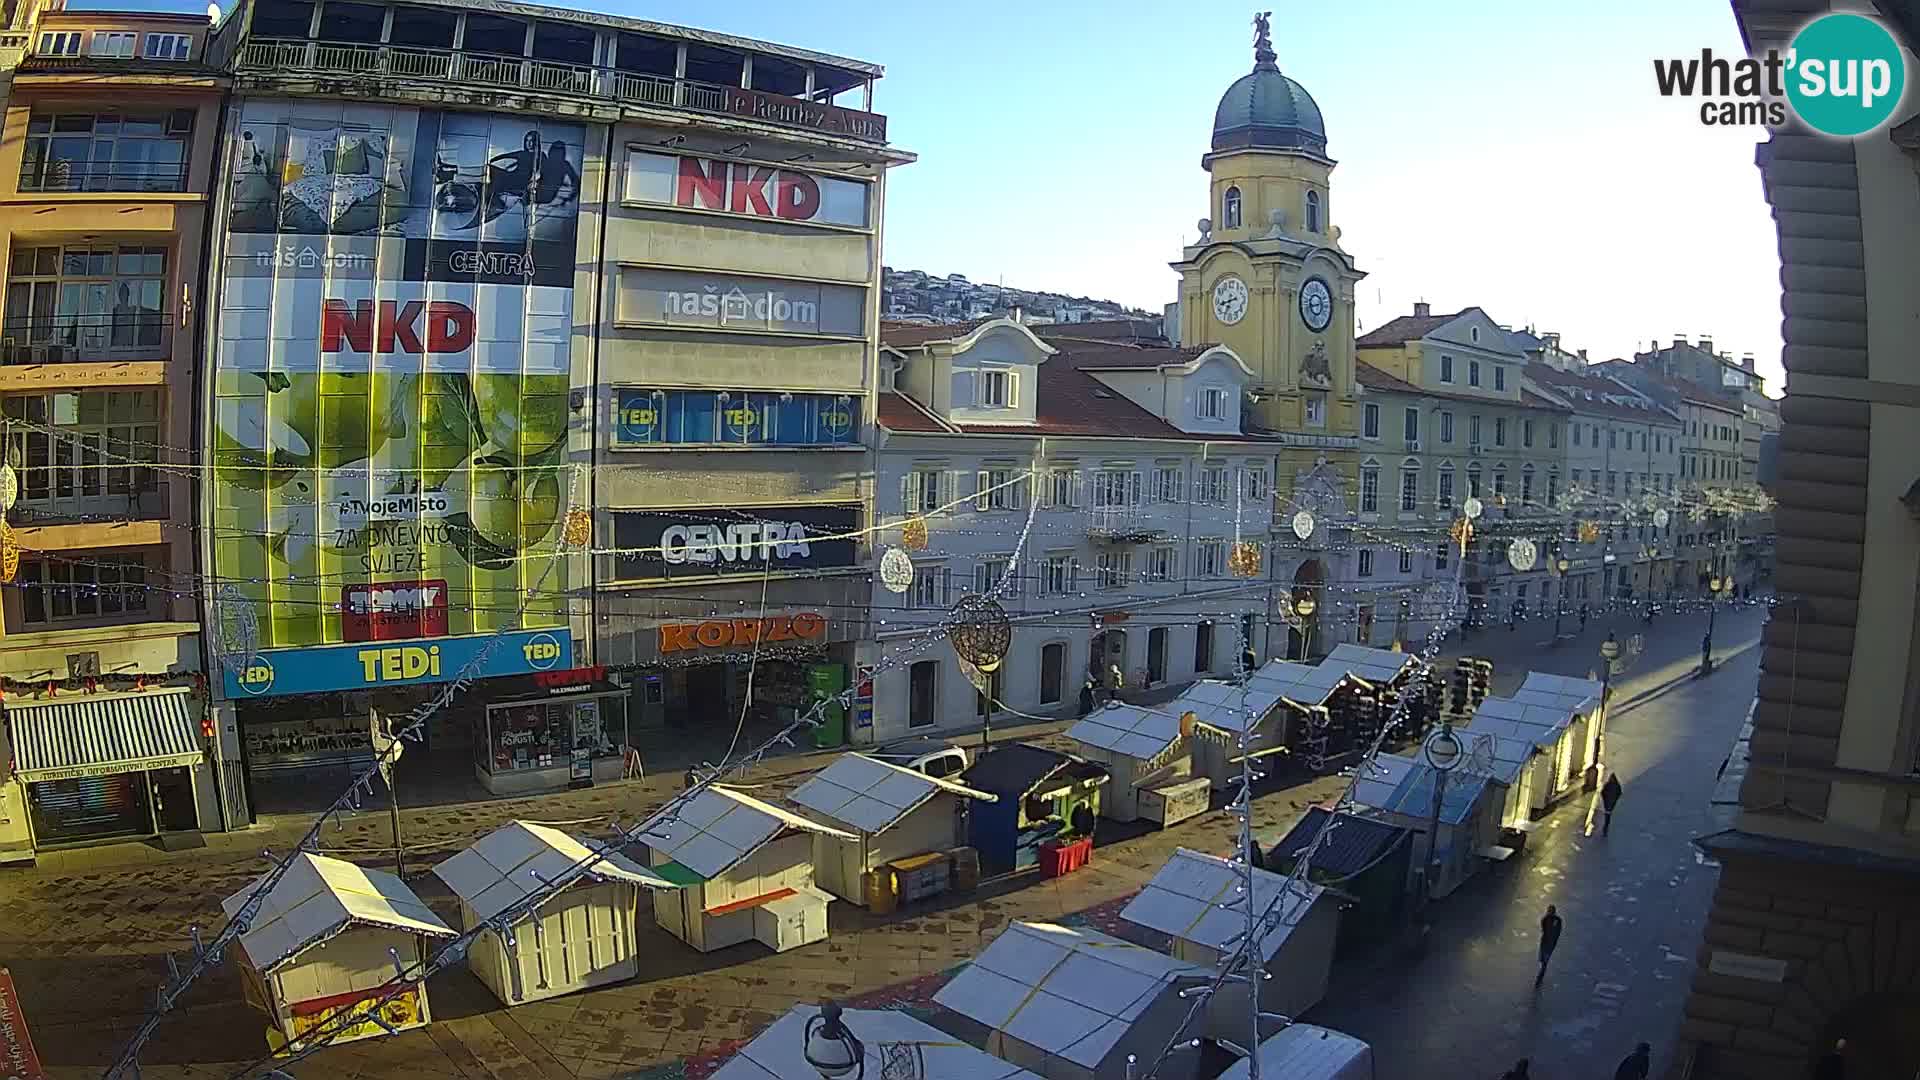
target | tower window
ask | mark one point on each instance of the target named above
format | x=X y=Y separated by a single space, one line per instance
x=1230 y=209
x=1313 y=211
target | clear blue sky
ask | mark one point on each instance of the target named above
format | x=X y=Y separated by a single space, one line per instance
x=1511 y=154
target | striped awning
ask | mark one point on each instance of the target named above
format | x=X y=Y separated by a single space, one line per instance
x=99 y=736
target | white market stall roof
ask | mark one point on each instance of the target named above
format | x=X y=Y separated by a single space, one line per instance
x=1070 y=993
x=1224 y=706
x=1560 y=692
x=318 y=898
x=1299 y=683
x=1374 y=665
x=1306 y=1050
x=712 y=832
x=871 y=795
x=1184 y=901
x=1129 y=730
x=1501 y=757
x=777 y=1053
x=1380 y=778
x=510 y=863
x=1524 y=713
x=1413 y=795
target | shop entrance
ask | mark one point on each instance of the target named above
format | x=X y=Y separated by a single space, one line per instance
x=689 y=715
x=90 y=808
x=174 y=809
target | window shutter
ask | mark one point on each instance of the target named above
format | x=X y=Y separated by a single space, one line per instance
x=946 y=586
x=910 y=493
x=1013 y=389
x=981 y=481
x=1073 y=488
x=1016 y=489
x=1134 y=488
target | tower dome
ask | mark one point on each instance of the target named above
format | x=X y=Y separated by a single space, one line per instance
x=1266 y=110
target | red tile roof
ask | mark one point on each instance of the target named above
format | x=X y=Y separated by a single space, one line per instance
x=898 y=412
x=1072 y=402
x=912 y=335
x=1135 y=330
x=1576 y=385
x=1374 y=378
x=1119 y=356
x=1406 y=328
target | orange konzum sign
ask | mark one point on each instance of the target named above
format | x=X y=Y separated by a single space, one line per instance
x=722 y=633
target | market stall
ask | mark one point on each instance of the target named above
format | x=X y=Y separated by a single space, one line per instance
x=894 y=814
x=1584 y=702
x=322 y=947
x=1041 y=797
x=1306 y=1052
x=580 y=937
x=744 y=870
x=1073 y=1004
x=1145 y=751
x=1272 y=707
x=1558 y=729
x=1368 y=859
x=1401 y=792
x=1187 y=902
x=549 y=731
x=887 y=1039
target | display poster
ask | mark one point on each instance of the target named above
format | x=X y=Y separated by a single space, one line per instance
x=391 y=371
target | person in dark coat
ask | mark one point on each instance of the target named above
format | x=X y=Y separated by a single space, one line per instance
x=1550 y=926
x=1086 y=696
x=1637 y=1065
x=1609 y=798
x=1518 y=1072
x=1833 y=1064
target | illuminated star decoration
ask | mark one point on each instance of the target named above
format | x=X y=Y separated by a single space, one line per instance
x=1462 y=533
x=913 y=535
x=578 y=531
x=1245 y=560
x=1589 y=532
x=9 y=553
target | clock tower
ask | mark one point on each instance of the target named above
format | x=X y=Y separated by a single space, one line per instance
x=1268 y=277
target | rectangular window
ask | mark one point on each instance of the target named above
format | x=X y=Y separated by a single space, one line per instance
x=1211 y=556
x=1440 y=556
x=1613 y=438
x=112 y=45
x=925 y=489
x=1116 y=488
x=1369 y=490
x=1213 y=403
x=76 y=304
x=1499 y=377
x=652 y=417
x=1499 y=481
x=1553 y=436
x=932 y=588
x=60 y=43
x=1576 y=434
x=1406 y=562
x=1213 y=485
x=1366 y=562
x=1526 y=433
x=1166 y=484
x=1446 y=368
x=1115 y=569
x=1060 y=490
x=85 y=452
x=1446 y=427
x=1254 y=483
x=168 y=47
x=1553 y=489
x=1526 y=487
x=1059 y=575
x=1409 y=490
x=1163 y=564
x=1443 y=494
x=1473 y=373
x=133 y=151
x=1473 y=430
x=999 y=489
x=1499 y=431
x=1316 y=410
x=997 y=389
x=56 y=588
x=1370 y=421
x=987 y=576
x=1612 y=478
x=1411 y=426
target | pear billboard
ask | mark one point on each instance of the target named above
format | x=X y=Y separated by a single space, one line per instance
x=390 y=391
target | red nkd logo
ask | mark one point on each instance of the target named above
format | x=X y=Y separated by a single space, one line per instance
x=743 y=189
x=396 y=327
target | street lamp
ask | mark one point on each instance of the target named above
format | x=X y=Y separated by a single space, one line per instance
x=1304 y=607
x=1562 y=565
x=1609 y=652
x=1716 y=588
x=830 y=1048
x=1443 y=752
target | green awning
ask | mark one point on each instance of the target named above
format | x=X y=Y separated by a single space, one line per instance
x=678 y=874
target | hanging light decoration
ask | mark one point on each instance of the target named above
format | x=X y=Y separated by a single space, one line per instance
x=1244 y=561
x=1462 y=533
x=1589 y=532
x=1303 y=524
x=9 y=553
x=1522 y=554
x=980 y=631
x=578 y=531
x=913 y=535
x=896 y=571
x=1473 y=507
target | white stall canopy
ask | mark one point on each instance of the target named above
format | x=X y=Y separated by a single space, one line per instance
x=319 y=898
x=717 y=829
x=873 y=796
x=889 y=1039
x=1184 y=901
x=1562 y=692
x=1306 y=1052
x=1376 y=666
x=511 y=863
x=1130 y=730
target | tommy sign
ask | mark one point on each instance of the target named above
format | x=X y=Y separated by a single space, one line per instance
x=391 y=610
x=704 y=543
x=732 y=187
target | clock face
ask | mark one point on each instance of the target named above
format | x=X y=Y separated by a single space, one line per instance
x=1316 y=304
x=1230 y=300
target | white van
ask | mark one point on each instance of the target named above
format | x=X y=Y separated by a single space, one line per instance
x=1305 y=1052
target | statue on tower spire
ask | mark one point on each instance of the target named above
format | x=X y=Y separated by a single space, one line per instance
x=1263 y=54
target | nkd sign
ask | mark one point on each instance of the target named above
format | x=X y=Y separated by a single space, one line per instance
x=734 y=187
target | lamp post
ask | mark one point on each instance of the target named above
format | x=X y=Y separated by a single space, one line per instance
x=1609 y=652
x=830 y=1048
x=1304 y=607
x=1443 y=752
x=1560 y=601
x=1717 y=587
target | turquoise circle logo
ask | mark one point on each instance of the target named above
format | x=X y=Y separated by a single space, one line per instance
x=1846 y=74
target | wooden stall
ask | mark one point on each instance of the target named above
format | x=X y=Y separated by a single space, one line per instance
x=1073 y=1004
x=894 y=814
x=1040 y=796
x=1263 y=707
x=1306 y=1052
x=1145 y=750
x=1584 y=703
x=744 y=870
x=1186 y=901
x=581 y=937
x=321 y=948
x=1401 y=791
x=891 y=1041
x=1370 y=860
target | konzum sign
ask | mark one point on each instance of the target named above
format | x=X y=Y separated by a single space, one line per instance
x=735 y=187
x=730 y=633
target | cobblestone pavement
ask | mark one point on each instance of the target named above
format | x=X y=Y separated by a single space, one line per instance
x=85 y=932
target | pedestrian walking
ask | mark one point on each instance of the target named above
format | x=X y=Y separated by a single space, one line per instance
x=1833 y=1064
x=1550 y=927
x=1609 y=798
x=1584 y=609
x=1518 y=1072
x=1637 y=1065
x=1086 y=696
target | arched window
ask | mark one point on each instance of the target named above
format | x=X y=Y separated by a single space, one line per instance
x=1230 y=209
x=1313 y=211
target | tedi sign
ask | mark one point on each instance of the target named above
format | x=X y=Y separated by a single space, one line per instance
x=1843 y=76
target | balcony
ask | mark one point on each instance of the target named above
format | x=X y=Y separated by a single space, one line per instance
x=132 y=177
x=109 y=338
x=1124 y=525
x=457 y=68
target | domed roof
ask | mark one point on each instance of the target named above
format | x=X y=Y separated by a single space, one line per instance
x=1265 y=109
